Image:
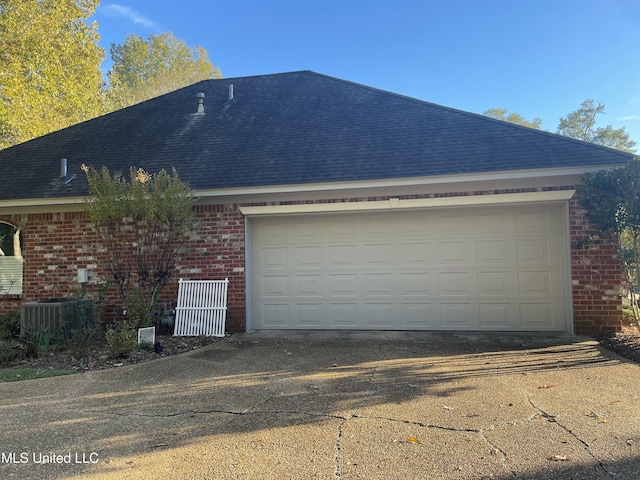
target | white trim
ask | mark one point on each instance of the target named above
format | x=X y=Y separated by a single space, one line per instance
x=403 y=182
x=460 y=201
x=248 y=278
x=455 y=182
x=568 y=272
x=36 y=202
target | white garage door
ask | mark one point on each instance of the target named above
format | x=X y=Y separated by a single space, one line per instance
x=499 y=268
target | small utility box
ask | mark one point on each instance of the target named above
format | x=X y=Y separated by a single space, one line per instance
x=147 y=336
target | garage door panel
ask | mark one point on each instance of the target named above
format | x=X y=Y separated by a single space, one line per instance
x=454 y=253
x=532 y=221
x=274 y=286
x=308 y=257
x=377 y=285
x=275 y=315
x=496 y=316
x=414 y=254
x=308 y=286
x=309 y=315
x=493 y=268
x=374 y=255
x=456 y=316
x=274 y=232
x=417 y=316
x=342 y=285
x=495 y=284
x=533 y=251
x=342 y=315
x=538 y=219
x=537 y=316
x=534 y=284
x=376 y=226
x=412 y=285
x=491 y=222
x=305 y=230
x=377 y=314
x=272 y=258
x=340 y=230
x=450 y=223
x=455 y=284
x=494 y=252
x=341 y=255
x=413 y=227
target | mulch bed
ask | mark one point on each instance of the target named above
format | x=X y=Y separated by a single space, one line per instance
x=100 y=359
x=625 y=343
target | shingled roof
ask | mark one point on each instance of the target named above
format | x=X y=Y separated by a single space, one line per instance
x=283 y=129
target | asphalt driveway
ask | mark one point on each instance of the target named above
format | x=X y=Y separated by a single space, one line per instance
x=336 y=405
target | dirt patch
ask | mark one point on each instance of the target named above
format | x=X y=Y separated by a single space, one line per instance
x=625 y=343
x=99 y=358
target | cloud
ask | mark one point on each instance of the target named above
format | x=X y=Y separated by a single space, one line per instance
x=629 y=117
x=115 y=10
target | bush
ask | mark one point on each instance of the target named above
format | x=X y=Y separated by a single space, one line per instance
x=34 y=344
x=82 y=328
x=37 y=344
x=10 y=325
x=122 y=339
x=10 y=350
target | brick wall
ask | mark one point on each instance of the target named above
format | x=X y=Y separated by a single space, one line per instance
x=55 y=245
x=216 y=251
x=596 y=277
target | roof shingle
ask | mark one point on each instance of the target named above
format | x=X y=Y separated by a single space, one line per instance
x=289 y=128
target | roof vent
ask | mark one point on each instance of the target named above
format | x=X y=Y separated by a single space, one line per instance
x=231 y=91
x=200 y=104
x=64 y=172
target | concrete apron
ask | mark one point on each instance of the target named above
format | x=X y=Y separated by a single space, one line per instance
x=337 y=405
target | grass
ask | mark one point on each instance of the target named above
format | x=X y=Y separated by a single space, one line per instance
x=17 y=374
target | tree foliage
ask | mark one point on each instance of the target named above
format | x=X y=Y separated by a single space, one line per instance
x=144 y=69
x=581 y=124
x=143 y=223
x=611 y=199
x=50 y=73
x=503 y=114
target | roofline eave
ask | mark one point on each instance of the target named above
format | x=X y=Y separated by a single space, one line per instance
x=564 y=176
x=430 y=184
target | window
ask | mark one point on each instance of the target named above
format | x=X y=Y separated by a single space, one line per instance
x=10 y=260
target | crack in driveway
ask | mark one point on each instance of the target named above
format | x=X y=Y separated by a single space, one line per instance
x=368 y=414
x=339 y=437
x=541 y=412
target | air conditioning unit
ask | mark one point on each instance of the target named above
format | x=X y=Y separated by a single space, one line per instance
x=48 y=317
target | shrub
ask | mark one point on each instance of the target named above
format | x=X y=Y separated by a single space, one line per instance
x=122 y=339
x=144 y=223
x=10 y=350
x=37 y=344
x=10 y=325
x=83 y=329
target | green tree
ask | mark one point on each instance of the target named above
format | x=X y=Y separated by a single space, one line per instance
x=581 y=124
x=502 y=114
x=144 y=69
x=143 y=223
x=50 y=60
x=611 y=199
